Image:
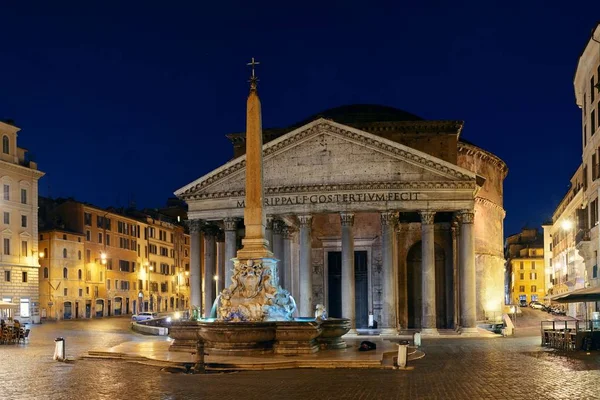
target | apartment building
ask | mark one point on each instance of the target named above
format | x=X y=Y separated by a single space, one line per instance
x=525 y=266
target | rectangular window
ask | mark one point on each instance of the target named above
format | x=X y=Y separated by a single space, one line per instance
x=6 y=246
x=533 y=289
x=522 y=265
x=88 y=256
x=87 y=219
x=100 y=237
x=7 y=276
x=108 y=284
x=521 y=288
x=88 y=236
x=6 y=217
x=87 y=290
x=533 y=265
x=107 y=239
x=23 y=196
x=24 y=308
x=24 y=276
x=80 y=292
x=65 y=291
x=593 y=122
x=591 y=90
x=24 y=248
x=594 y=169
x=23 y=221
x=522 y=276
x=6 y=192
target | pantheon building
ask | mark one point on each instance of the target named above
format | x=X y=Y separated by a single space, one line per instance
x=371 y=210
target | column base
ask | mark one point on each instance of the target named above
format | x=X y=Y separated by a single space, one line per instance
x=430 y=332
x=469 y=332
x=389 y=332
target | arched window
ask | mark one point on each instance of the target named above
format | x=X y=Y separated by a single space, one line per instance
x=65 y=273
x=79 y=274
x=79 y=255
x=64 y=253
x=45 y=272
x=5 y=145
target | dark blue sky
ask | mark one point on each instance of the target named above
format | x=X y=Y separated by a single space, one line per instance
x=132 y=101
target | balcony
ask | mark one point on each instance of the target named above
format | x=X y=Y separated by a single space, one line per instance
x=582 y=236
x=584 y=244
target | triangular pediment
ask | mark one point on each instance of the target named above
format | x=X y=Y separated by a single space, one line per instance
x=329 y=155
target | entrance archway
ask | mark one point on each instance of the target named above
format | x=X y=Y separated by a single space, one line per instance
x=414 y=285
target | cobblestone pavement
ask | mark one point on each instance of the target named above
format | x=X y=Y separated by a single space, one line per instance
x=509 y=368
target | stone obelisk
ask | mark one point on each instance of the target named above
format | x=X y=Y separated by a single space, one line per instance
x=254 y=244
x=254 y=294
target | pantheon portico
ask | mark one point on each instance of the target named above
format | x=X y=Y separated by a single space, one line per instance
x=369 y=210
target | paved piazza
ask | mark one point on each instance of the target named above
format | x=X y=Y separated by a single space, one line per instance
x=515 y=368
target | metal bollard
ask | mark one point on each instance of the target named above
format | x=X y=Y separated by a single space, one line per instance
x=417 y=339
x=199 y=366
x=59 y=349
x=402 y=353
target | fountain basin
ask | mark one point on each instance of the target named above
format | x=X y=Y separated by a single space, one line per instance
x=185 y=335
x=237 y=338
x=332 y=331
x=295 y=337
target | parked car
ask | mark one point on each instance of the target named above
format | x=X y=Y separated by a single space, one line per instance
x=144 y=316
x=523 y=303
x=536 y=305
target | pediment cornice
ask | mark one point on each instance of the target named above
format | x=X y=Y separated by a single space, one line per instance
x=317 y=127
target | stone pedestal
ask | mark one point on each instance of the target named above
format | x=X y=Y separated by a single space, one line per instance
x=332 y=330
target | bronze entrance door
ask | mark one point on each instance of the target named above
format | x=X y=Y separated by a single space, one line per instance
x=361 y=286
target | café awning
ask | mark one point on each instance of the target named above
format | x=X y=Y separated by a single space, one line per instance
x=7 y=306
x=589 y=294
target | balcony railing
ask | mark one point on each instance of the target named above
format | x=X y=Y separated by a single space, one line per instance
x=582 y=236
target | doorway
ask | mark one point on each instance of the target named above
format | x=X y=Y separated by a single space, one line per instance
x=361 y=286
x=76 y=309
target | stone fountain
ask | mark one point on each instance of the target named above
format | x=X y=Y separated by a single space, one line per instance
x=254 y=314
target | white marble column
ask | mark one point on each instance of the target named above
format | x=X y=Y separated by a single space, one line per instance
x=221 y=261
x=389 y=323
x=230 y=225
x=286 y=263
x=269 y=232
x=466 y=254
x=278 y=226
x=348 y=280
x=455 y=276
x=305 y=306
x=428 y=320
x=209 y=268
x=195 y=269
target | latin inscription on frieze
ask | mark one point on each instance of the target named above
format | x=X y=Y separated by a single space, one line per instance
x=337 y=198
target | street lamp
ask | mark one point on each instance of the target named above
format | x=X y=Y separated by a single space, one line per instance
x=103 y=258
x=566 y=225
x=216 y=278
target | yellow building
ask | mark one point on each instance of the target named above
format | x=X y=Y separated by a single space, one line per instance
x=19 y=266
x=525 y=266
x=110 y=262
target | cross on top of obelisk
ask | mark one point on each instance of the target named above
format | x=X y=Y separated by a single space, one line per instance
x=253 y=79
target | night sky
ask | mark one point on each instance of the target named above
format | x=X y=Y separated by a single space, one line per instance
x=121 y=103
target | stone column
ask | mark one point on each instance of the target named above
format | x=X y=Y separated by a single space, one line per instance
x=388 y=302
x=288 y=237
x=428 y=320
x=348 y=280
x=278 y=226
x=221 y=260
x=269 y=232
x=209 y=268
x=230 y=225
x=305 y=306
x=466 y=254
x=455 y=276
x=195 y=269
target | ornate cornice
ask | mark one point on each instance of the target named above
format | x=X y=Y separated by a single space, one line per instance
x=364 y=138
x=347 y=218
x=484 y=155
x=490 y=204
x=427 y=217
x=425 y=185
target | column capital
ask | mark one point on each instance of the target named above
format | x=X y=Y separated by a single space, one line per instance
x=195 y=225
x=305 y=219
x=278 y=226
x=347 y=218
x=270 y=220
x=220 y=235
x=210 y=230
x=467 y=216
x=288 y=232
x=427 y=217
x=230 y=224
x=388 y=218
